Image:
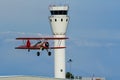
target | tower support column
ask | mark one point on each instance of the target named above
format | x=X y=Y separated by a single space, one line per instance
x=59 y=57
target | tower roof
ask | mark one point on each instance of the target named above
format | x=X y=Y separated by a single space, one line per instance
x=54 y=7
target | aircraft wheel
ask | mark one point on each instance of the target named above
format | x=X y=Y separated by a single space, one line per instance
x=38 y=53
x=42 y=49
x=28 y=50
x=49 y=53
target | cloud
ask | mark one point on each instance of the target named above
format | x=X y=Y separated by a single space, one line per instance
x=19 y=33
x=10 y=32
x=10 y=40
x=92 y=43
x=10 y=36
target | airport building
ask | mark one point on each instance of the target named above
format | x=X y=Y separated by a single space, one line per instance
x=42 y=78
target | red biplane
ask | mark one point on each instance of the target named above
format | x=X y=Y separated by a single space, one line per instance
x=41 y=44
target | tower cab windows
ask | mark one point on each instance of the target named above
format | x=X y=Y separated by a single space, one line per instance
x=59 y=12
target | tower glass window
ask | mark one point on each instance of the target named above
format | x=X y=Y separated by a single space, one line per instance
x=59 y=12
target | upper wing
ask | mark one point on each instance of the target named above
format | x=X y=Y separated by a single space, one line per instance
x=33 y=47
x=37 y=47
x=44 y=38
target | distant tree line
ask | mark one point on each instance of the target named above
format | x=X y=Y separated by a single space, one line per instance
x=71 y=76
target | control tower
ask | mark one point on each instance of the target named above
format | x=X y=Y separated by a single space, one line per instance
x=59 y=21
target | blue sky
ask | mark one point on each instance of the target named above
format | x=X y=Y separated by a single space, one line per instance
x=94 y=43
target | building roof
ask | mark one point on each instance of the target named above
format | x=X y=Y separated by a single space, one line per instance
x=20 y=77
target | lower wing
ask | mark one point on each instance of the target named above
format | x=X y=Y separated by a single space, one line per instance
x=25 y=47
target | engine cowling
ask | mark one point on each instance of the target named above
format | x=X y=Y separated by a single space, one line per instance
x=46 y=44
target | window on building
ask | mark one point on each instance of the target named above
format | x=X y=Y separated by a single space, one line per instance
x=50 y=20
x=61 y=20
x=59 y=12
x=55 y=20
x=66 y=20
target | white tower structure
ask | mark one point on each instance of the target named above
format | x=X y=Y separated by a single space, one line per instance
x=59 y=20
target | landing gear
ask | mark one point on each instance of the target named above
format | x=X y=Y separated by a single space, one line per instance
x=42 y=49
x=38 y=53
x=28 y=50
x=49 y=53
